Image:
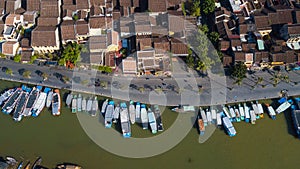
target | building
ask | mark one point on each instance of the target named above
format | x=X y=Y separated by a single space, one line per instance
x=45 y=39
x=129 y=66
x=9 y=48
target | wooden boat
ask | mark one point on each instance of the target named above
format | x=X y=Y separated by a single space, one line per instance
x=201 y=126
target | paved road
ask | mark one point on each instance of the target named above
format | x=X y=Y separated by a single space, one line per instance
x=182 y=88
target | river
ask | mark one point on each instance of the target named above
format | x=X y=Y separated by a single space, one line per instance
x=268 y=144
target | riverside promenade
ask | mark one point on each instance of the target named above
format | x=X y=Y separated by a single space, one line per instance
x=184 y=87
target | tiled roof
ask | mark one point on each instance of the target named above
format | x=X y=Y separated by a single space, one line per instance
x=68 y=30
x=294 y=29
x=144 y=43
x=278 y=57
x=10 y=6
x=48 y=21
x=97 y=2
x=129 y=65
x=7 y=47
x=96 y=58
x=239 y=56
x=243 y=28
x=125 y=3
x=97 y=42
x=224 y=45
x=291 y=56
x=95 y=10
x=178 y=47
x=235 y=42
x=297 y=16
x=26 y=55
x=82 y=4
x=145 y=54
x=68 y=2
x=159 y=31
x=110 y=59
x=25 y=42
x=70 y=7
x=161 y=45
x=1 y=29
x=176 y=24
x=44 y=36
x=29 y=16
x=227 y=60
x=142 y=27
x=97 y=22
x=49 y=8
x=262 y=21
x=82 y=28
x=248 y=46
x=157 y=5
x=33 y=5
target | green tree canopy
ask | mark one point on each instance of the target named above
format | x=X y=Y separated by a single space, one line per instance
x=17 y=58
x=9 y=71
x=208 y=6
x=195 y=9
x=26 y=74
x=239 y=71
x=71 y=52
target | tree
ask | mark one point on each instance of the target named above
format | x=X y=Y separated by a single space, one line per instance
x=239 y=72
x=208 y=6
x=17 y=58
x=195 y=9
x=203 y=28
x=9 y=71
x=62 y=62
x=33 y=58
x=214 y=38
x=71 y=52
x=190 y=61
x=183 y=8
x=26 y=74
x=45 y=76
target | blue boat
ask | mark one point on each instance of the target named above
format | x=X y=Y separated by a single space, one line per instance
x=229 y=127
x=124 y=118
x=109 y=113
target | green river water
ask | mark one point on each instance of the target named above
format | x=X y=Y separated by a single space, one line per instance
x=268 y=144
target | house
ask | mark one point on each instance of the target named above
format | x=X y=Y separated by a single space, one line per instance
x=178 y=48
x=176 y=25
x=83 y=5
x=26 y=55
x=261 y=56
x=29 y=18
x=99 y=23
x=144 y=42
x=110 y=59
x=12 y=27
x=97 y=43
x=293 y=43
x=82 y=30
x=96 y=58
x=48 y=21
x=157 y=6
x=145 y=60
x=12 y=5
x=33 y=5
x=9 y=48
x=45 y=39
x=50 y=8
x=227 y=60
x=224 y=45
x=161 y=45
x=129 y=66
x=68 y=32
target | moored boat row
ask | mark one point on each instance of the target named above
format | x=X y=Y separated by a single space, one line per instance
x=26 y=101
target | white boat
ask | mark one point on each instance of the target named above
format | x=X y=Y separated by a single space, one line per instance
x=138 y=112
x=252 y=116
x=226 y=112
x=69 y=99
x=132 y=112
x=219 y=119
x=208 y=116
x=247 y=113
x=255 y=109
x=109 y=113
x=32 y=98
x=79 y=103
x=49 y=99
x=152 y=121
x=271 y=112
x=83 y=104
x=89 y=106
x=74 y=104
x=56 y=103
x=242 y=112
x=229 y=127
x=95 y=106
x=6 y=95
x=116 y=114
x=203 y=116
x=40 y=103
x=237 y=113
x=124 y=119
x=104 y=104
x=144 y=117
x=214 y=115
x=283 y=107
x=232 y=113
x=260 y=109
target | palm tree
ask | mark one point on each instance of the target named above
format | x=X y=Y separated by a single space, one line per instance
x=27 y=74
x=9 y=71
x=45 y=76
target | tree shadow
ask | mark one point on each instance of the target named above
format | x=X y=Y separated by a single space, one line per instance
x=290 y=123
x=21 y=71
